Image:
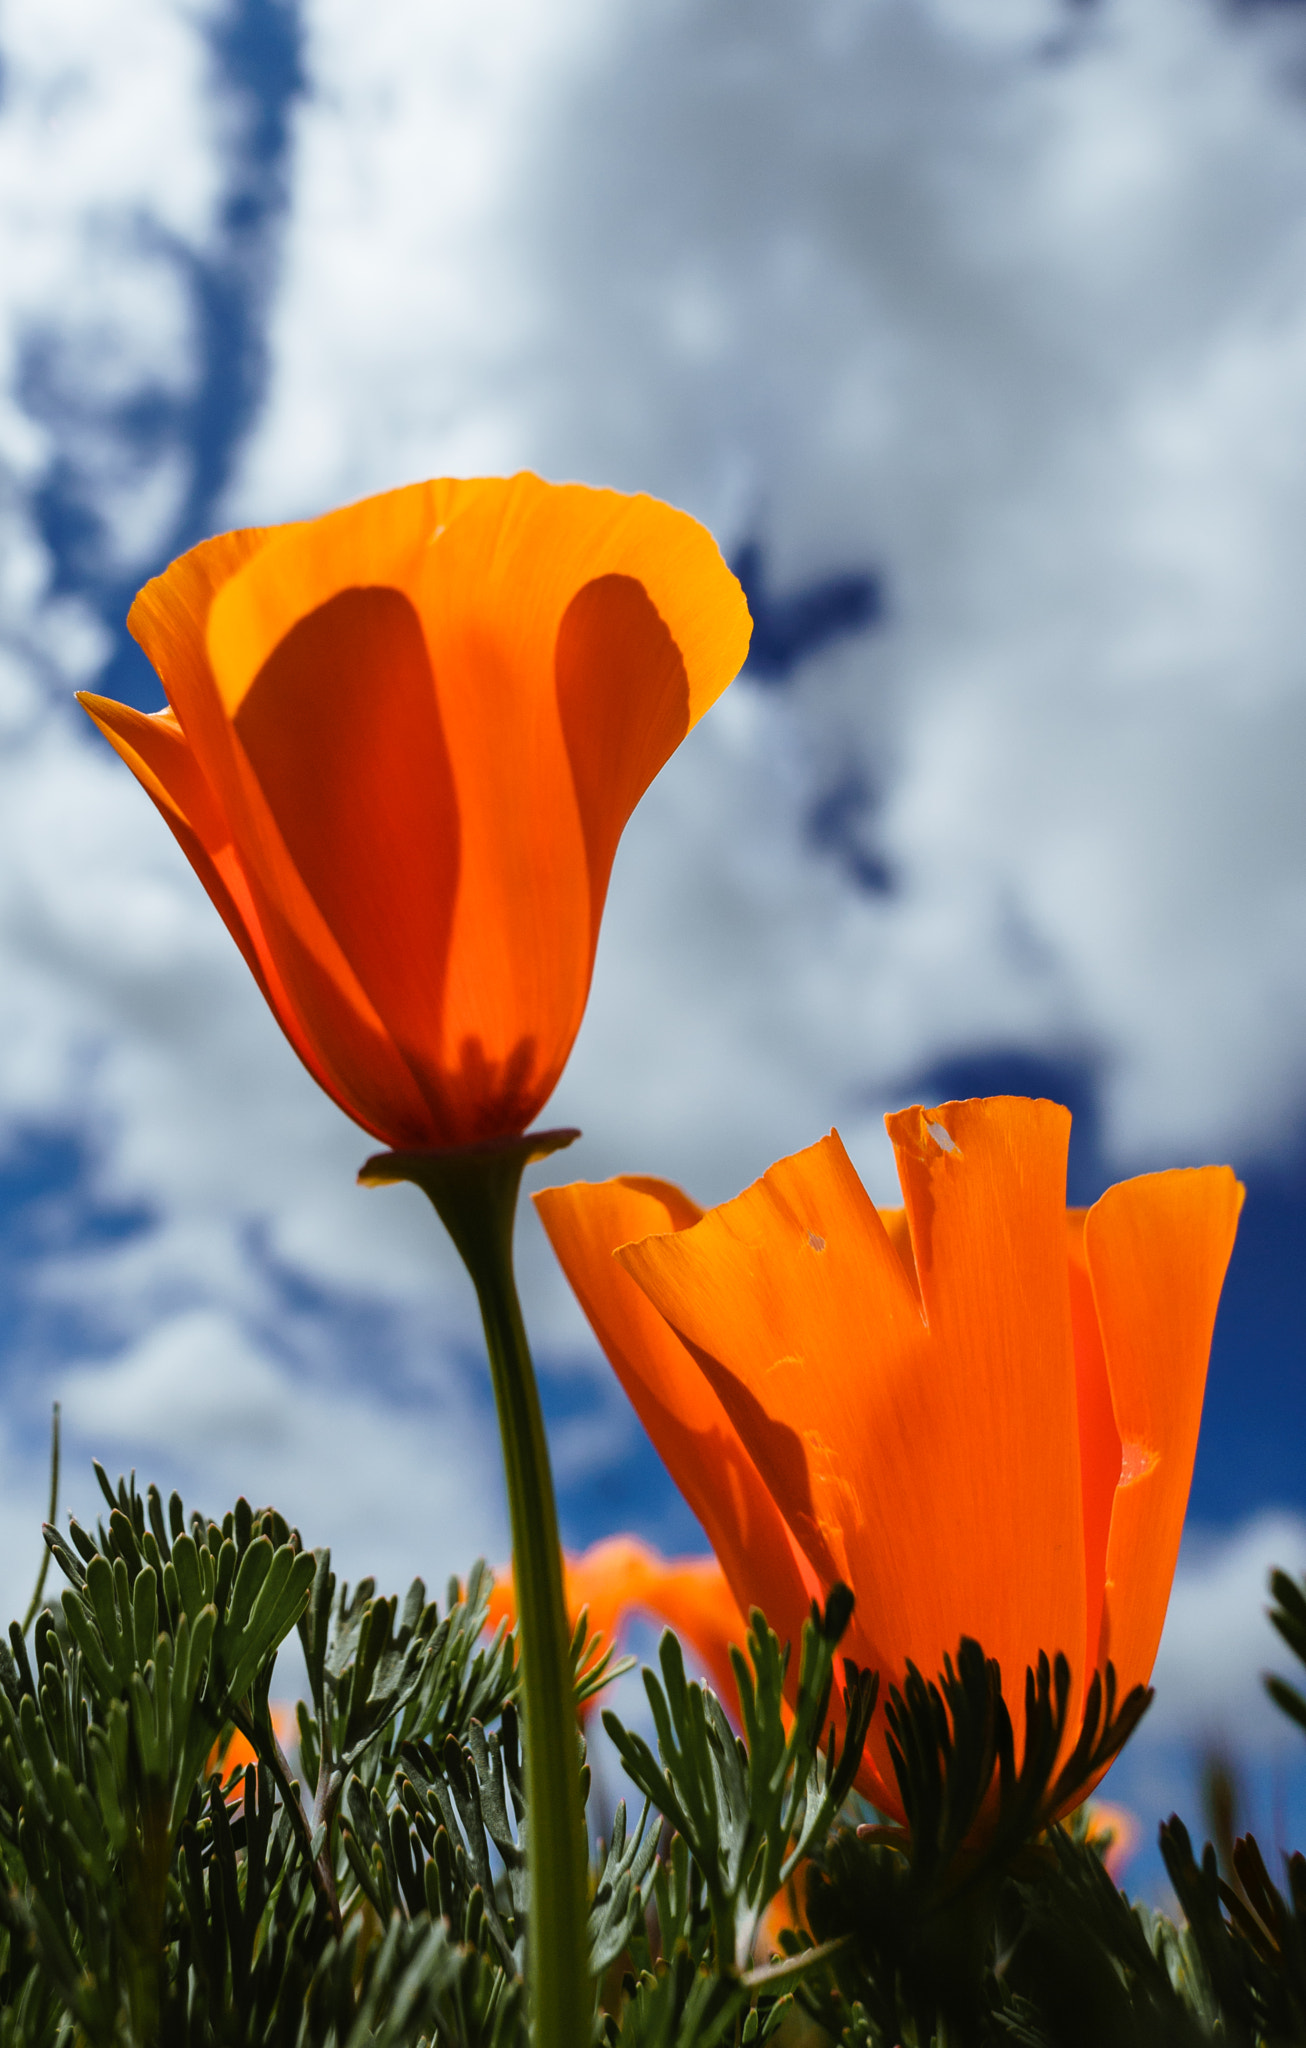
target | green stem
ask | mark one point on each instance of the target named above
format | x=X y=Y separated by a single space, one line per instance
x=474 y=1189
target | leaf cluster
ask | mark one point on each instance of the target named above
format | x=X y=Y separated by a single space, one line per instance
x=1247 y=1934
x=372 y=1894
x=142 y=1900
x=988 y=1920
x=743 y=1814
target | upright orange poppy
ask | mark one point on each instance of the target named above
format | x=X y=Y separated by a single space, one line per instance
x=621 y=1576
x=401 y=745
x=980 y=1411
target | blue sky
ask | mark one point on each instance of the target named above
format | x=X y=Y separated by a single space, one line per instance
x=977 y=334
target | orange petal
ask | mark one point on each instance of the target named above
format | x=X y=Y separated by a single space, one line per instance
x=169 y=619
x=621 y=1575
x=501 y=1605
x=1157 y=1249
x=545 y=650
x=692 y=1595
x=320 y=1006
x=689 y=1427
x=341 y=1043
x=986 y=1205
x=380 y=542
x=155 y=749
x=608 y=1579
x=623 y=697
x=319 y=705
x=342 y=729
x=1099 y=1439
x=1119 y=1829
x=230 y=1757
x=922 y=1447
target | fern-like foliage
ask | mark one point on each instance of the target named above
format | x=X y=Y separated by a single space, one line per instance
x=746 y=1813
x=366 y=1885
x=143 y=1903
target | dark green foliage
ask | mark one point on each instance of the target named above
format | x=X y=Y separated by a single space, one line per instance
x=1247 y=1933
x=745 y=1815
x=143 y=1902
x=749 y=1811
x=953 y=1752
x=980 y=1923
x=1083 y=1967
x=925 y=1909
x=1289 y=1616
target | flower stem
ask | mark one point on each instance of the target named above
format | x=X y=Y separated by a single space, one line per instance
x=474 y=1189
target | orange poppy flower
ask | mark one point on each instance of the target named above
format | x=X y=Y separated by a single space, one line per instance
x=230 y=1756
x=979 y=1411
x=621 y=1576
x=1118 y=1829
x=401 y=745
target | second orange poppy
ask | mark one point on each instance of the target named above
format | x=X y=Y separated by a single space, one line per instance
x=980 y=1410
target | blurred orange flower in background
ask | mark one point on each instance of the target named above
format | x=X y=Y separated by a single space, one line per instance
x=979 y=1411
x=233 y=1752
x=401 y=745
x=622 y=1576
x=1116 y=1832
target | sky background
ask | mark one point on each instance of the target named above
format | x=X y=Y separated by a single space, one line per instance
x=976 y=331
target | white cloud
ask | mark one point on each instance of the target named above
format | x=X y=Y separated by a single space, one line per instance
x=218 y=1414
x=1006 y=302
x=1218 y=1641
x=109 y=174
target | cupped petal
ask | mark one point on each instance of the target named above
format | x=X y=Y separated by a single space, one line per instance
x=155 y=749
x=320 y=681
x=423 y=720
x=690 y=1429
x=552 y=620
x=1157 y=1249
x=921 y=1445
x=344 y=1050
x=623 y=698
x=326 y=745
x=601 y=627
x=342 y=730
x=169 y=619
x=320 y=1002
x=1099 y=1439
x=380 y=542
x=546 y=542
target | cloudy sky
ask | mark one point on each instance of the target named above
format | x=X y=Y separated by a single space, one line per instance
x=976 y=330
